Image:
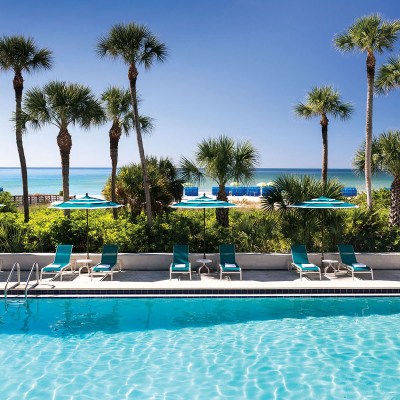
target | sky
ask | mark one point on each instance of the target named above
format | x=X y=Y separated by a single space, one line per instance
x=234 y=67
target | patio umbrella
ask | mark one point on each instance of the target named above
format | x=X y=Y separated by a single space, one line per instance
x=323 y=203
x=203 y=202
x=85 y=203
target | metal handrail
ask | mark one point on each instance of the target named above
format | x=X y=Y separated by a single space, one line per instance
x=29 y=278
x=9 y=278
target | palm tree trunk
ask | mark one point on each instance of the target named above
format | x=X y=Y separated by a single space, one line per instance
x=132 y=76
x=324 y=125
x=222 y=214
x=368 y=126
x=64 y=142
x=18 y=84
x=394 y=215
x=115 y=134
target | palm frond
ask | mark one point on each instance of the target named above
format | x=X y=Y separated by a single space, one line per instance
x=133 y=43
x=388 y=77
x=189 y=172
x=21 y=54
x=369 y=34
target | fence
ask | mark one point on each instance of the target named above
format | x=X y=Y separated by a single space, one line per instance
x=39 y=199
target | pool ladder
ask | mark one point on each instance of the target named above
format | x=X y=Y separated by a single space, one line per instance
x=16 y=268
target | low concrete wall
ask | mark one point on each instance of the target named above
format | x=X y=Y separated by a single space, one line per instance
x=161 y=261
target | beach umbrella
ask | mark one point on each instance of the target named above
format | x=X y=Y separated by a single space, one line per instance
x=323 y=203
x=203 y=202
x=262 y=184
x=234 y=183
x=85 y=203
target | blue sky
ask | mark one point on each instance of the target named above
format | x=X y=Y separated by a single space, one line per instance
x=235 y=67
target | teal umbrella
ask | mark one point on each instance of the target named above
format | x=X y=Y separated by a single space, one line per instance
x=203 y=202
x=323 y=203
x=85 y=203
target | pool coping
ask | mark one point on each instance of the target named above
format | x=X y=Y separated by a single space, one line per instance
x=204 y=293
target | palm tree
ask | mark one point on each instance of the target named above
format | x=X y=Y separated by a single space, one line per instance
x=388 y=76
x=322 y=102
x=303 y=226
x=117 y=108
x=370 y=35
x=221 y=160
x=61 y=104
x=136 y=46
x=20 y=55
x=130 y=191
x=385 y=157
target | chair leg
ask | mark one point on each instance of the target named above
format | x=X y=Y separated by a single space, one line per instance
x=372 y=274
x=41 y=275
x=61 y=276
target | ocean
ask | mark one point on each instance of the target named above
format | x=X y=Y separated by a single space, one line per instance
x=92 y=180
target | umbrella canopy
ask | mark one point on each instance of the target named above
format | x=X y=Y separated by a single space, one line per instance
x=85 y=203
x=203 y=202
x=262 y=184
x=323 y=203
x=234 y=183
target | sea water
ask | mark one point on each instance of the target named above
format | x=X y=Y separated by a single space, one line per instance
x=277 y=348
x=92 y=180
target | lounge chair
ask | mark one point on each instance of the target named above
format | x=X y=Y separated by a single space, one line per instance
x=349 y=261
x=301 y=263
x=180 y=261
x=62 y=262
x=108 y=263
x=227 y=261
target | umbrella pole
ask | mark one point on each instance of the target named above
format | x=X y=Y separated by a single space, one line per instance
x=323 y=231
x=87 y=234
x=204 y=233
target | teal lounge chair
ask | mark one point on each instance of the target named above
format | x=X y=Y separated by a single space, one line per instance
x=301 y=263
x=108 y=263
x=227 y=261
x=349 y=261
x=62 y=262
x=180 y=261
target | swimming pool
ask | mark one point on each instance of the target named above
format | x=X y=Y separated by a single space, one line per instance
x=325 y=348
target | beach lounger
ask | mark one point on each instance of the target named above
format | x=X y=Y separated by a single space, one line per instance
x=227 y=261
x=301 y=263
x=180 y=261
x=62 y=262
x=349 y=261
x=108 y=262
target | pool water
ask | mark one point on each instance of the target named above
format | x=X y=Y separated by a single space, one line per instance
x=283 y=348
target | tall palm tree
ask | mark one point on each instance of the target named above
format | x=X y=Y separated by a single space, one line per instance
x=385 y=157
x=322 y=102
x=22 y=55
x=388 y=77
x=117 y=108
x=136 y=46
x=61 y=104
x=221 y=160
x=369 y=34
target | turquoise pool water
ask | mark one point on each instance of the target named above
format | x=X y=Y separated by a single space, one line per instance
x=299 y=348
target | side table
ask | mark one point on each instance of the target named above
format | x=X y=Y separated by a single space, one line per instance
x=334 y=264
x=204 y=262
x=85 y=264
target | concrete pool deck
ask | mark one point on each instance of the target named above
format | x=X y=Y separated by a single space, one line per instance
x=255 y=283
